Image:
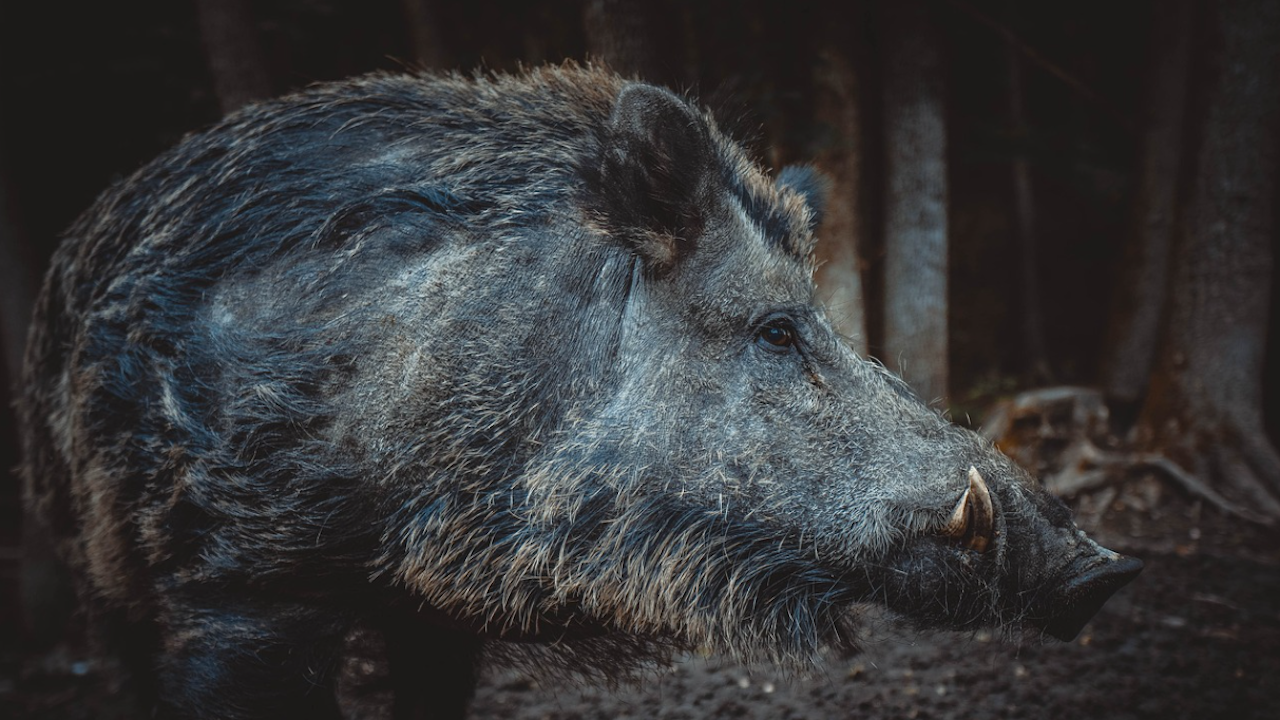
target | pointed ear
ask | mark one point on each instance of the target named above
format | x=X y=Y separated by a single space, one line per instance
x=811 y=185
x=654 y=163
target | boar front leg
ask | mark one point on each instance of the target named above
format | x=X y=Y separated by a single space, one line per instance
x=239 y=657
x=433 y=667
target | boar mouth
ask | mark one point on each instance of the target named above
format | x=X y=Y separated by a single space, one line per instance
x=932 y=584
x=1064 y=613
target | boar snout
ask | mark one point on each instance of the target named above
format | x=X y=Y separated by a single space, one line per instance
x=1089 y=584
x=1050 y=575
x=1062 y=577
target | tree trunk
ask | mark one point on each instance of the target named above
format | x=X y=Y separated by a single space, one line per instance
x=620 y=33
x=839 y=277
x=1139 y=294
x=19 y=291
x=915 y=272
x=46 y=597
x=231 y=48
x=1025 y=225
x=1204 y=403
x=424 y=33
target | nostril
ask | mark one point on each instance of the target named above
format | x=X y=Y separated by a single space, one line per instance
x=1081 y=597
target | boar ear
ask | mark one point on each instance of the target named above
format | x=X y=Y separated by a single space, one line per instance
x=812 y=185
x=655 y=159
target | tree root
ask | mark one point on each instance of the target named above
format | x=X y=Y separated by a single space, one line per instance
x=1261 y=457
x=1059 y=433
x=1196 y=486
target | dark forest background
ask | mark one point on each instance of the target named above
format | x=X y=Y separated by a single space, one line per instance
x=1024 y=195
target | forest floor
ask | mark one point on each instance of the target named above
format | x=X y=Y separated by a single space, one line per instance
x=1197 y=635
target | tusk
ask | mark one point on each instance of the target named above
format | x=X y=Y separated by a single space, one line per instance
x=982 y=514
x=973 y=520
x=959 y=519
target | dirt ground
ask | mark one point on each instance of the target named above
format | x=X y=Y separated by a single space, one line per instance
x=1196 y=636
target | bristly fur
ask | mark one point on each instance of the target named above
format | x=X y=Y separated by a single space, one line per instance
x=526 y=358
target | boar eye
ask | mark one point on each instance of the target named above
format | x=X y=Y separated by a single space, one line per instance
x=777 y=336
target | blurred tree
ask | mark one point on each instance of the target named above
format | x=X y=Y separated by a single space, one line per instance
x=230 y=39
x=46 y=598
x=1203 y=406
x=838 y=115
x=915 y=238
x=424 y=34
x=1139 y=295
x=16 y=276
x=1024 y=223
x=621 y=33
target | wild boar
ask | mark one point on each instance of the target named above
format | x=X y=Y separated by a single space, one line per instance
x=516 y=358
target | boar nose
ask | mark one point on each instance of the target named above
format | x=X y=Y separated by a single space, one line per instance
x=1079 y=598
